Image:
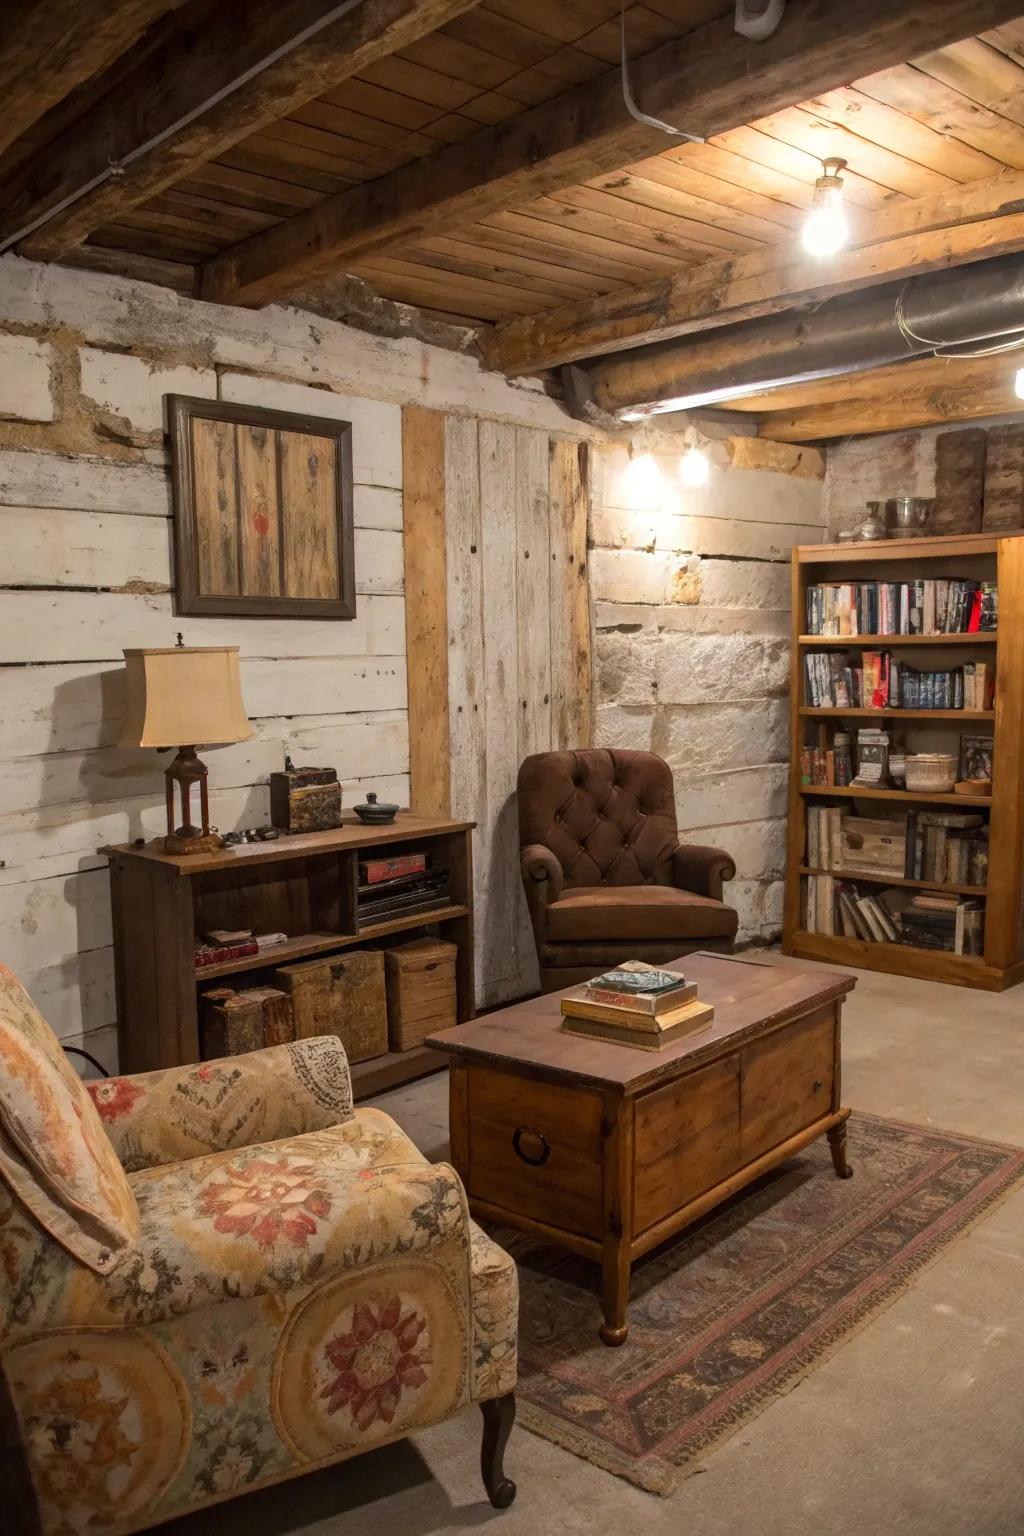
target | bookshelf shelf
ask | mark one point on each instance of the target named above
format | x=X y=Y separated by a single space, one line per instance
x=889 y=642
x=881 y=879
x=304 y=885
x=900 y=796
x=820 y=712
x=305 y=944
x=976 y=557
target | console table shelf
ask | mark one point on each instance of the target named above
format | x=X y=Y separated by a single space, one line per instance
x=986 y=557
x=305 y=886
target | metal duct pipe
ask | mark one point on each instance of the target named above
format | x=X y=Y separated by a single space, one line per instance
x=858 y=331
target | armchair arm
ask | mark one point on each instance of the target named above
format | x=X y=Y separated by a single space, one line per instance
x=542 y=881
x=215 y=1106
x=702 y=870
x=258 y=1222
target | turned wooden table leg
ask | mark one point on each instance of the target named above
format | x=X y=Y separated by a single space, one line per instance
x=837 y=1145
x=615 y=1269
x=499 y=1416
x=618 y=1129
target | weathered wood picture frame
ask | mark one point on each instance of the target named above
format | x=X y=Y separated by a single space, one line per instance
x=262 y=505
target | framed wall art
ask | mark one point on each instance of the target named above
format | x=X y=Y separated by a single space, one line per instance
x=262 y=511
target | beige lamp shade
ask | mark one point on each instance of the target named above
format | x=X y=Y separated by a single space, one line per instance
x=184 y=696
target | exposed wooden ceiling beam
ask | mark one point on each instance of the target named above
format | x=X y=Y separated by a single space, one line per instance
x=982 y=218
x=707 y=81
x=202 y=54
x=51 y=46
x=921 y=393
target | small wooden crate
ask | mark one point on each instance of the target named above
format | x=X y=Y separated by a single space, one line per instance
x=344 y=996
x=421 y=991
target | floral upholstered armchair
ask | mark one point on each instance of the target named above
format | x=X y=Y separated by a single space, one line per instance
x=221 y=1276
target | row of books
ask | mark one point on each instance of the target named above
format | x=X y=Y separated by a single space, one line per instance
x=942 y=606
x=638 y=1005
x=877 y=680
x=924 y=919
x=949 y=847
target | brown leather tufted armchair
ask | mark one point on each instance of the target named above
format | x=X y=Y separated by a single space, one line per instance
x=606 y=879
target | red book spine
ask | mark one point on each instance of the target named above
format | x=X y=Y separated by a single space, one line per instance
x=210 y=955
x=390 y=869
x=974 y=621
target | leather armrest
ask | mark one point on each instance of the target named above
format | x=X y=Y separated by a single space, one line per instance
x=543 y=879
x=702 y=870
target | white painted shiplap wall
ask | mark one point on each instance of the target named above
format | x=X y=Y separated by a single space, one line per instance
x=85 y=571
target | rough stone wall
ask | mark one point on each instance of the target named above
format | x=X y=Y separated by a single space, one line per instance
x=691 y=593
x=85 y=361
x=875 y=468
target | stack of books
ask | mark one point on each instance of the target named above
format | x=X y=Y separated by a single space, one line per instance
x=939 y=920
x=399 y=887
x=950 y=606
x=638 y=1005
x=222 y=944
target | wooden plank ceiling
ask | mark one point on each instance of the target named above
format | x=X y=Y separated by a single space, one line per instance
x=917 y=130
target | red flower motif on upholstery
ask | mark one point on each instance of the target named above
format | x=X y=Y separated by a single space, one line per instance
x=114 y=1096
x=376 y=1360
x=267 y=1199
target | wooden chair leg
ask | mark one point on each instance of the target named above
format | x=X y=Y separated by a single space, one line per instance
x=499 y=1416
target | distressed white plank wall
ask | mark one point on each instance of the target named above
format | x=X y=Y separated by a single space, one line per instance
x=85 y=570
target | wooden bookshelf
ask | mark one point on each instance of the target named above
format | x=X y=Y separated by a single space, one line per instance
x=983 y=557
x=302 y=885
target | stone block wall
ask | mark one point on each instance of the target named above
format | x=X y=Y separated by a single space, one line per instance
x=691 y=606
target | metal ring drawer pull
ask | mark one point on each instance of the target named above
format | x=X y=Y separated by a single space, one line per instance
x=517 y=1146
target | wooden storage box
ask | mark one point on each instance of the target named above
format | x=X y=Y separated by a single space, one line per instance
x=421 y=991
x=344 y=996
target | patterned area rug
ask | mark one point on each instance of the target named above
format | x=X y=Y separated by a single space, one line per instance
x=744 y=1302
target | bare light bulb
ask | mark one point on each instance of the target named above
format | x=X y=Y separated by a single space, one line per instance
x=825 y=229
x=1018 y=384
x=643 y=479
x=694 y=469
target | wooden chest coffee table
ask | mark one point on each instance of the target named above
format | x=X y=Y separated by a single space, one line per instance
x=608 y=1150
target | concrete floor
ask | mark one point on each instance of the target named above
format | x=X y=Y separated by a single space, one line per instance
x=914 y=1428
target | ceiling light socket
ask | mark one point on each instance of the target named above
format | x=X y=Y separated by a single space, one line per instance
x=758 y=19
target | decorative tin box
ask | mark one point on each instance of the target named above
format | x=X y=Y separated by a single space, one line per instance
x=305 y=799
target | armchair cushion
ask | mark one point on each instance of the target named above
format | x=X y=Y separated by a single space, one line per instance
x=216 y=1106
x=627 y=912
x=54 y=1154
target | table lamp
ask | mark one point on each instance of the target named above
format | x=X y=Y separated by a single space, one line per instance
x=180 y=697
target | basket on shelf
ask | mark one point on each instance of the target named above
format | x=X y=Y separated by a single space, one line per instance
x=931 y=772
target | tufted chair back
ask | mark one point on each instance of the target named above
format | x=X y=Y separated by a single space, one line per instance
x=608 y=816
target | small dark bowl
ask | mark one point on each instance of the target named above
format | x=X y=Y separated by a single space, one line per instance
x=375 y=814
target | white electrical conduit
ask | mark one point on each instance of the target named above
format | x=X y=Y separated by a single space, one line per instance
x=909 y=334
x=756 y=19
x=117 y=167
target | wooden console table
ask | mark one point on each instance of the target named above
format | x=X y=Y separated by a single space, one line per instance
x=608 y=1151
x=304 y=886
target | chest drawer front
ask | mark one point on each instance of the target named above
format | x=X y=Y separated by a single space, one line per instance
x=535 y=1150
x=687 y=1139
x=786 y=1082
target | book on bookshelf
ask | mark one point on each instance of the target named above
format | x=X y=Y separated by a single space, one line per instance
x=931 y=606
